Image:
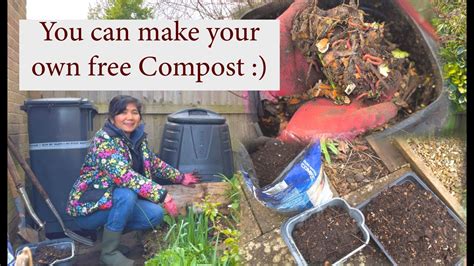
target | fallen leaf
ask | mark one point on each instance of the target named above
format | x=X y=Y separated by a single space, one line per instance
x=342 y=146
x=323 y=45
x=397 y=53
x=360 y=148
x=383 y=69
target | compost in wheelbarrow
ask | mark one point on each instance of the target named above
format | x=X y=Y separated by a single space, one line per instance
x=427 y=107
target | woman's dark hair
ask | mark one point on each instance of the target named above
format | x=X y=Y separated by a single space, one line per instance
x=119 y=103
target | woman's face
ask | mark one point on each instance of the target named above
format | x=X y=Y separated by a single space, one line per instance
x=128 y=120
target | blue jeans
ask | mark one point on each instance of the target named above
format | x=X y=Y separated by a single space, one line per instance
x=127 y=213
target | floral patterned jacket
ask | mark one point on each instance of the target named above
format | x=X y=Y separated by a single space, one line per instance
x=108 y=164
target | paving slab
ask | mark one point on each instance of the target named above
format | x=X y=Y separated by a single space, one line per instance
x=266 y=218
x=268 y=249
x=249 y=227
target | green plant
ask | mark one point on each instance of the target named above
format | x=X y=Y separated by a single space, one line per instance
x=188 y=242
x=326 y=146
x=231 y=242
x=205 y=238
x=233 y=193
x=223 y=225
x=451 y=24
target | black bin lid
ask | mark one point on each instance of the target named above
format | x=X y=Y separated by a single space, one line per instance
x=52 y=102
x=196 y=116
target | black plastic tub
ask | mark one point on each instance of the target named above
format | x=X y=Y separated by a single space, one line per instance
x=419 y=44
x=407 y=178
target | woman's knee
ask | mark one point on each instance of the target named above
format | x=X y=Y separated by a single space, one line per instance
x=157 y=216
x=154 y=214
x=125 y=195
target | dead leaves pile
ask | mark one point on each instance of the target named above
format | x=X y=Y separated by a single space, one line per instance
x=355 y=166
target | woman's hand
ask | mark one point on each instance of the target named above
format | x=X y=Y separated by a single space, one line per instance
x=170 y=206
x=190 y=179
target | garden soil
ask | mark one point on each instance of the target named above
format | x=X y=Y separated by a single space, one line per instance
x=327 y=236
x=414 y=227
x=270 y=159
x=356 y=166
x=49 y=254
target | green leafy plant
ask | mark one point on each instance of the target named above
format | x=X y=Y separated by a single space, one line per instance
x=204 y=238
x=189 y=242
x=233 y=194
x=451 y=24
x=231 y=242
x=326 y=146
x=223 y=225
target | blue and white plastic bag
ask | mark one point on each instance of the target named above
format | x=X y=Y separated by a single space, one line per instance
x=300 y=186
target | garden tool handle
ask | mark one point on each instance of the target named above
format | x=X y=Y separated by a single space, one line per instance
x=43 y=193
x=27 y=169
x=16 y=186
x=12 y=185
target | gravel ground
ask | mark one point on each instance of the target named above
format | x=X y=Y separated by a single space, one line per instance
x=446 y=157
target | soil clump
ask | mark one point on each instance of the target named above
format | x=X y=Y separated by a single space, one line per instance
x=272 y=158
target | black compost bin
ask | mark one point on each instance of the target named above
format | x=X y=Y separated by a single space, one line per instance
x=418 y=43
x=197 y=139
x=59 y=130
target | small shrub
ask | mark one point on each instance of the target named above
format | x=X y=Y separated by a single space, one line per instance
x=451 y=24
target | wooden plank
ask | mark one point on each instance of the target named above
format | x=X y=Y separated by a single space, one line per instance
x=428 y=176
x=390 y=155
x=188 y=196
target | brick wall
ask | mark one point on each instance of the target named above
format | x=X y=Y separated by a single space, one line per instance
x=17 y=123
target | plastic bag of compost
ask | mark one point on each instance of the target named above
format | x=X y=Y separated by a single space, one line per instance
x=300 y=186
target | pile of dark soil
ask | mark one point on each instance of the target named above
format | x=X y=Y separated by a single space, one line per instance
x=327 y=236
x=272 y=158
x=49 y=254
x=356 y=166
x=414 y=227
x=153 y=241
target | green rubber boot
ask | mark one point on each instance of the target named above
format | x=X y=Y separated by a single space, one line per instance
x=110 y=255
x=122 y=248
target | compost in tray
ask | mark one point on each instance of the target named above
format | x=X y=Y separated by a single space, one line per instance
x=327 y=236
x=272 y=158
x=414 y=227
x=49 y=254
